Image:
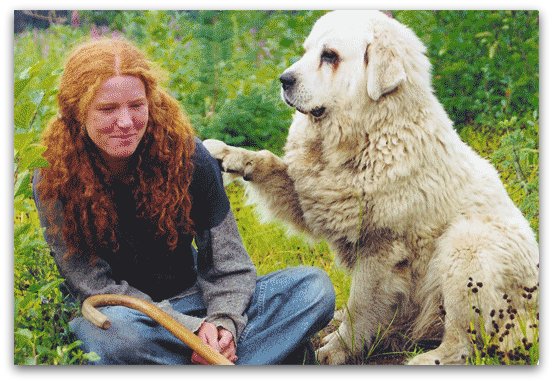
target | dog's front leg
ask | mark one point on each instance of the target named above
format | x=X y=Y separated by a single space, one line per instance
x=270 y=185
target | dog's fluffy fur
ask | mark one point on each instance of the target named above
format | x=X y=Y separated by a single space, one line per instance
x=373 y=165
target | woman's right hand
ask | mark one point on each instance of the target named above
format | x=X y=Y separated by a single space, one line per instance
x=209 y=335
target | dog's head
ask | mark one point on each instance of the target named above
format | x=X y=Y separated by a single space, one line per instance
x=351 y=57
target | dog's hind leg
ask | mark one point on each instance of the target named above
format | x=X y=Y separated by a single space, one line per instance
x=476 y=265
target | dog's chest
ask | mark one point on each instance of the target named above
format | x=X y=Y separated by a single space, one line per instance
x=331 y=199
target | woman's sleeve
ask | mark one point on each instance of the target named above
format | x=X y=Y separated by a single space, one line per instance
x=84 y=279
x=226 y=274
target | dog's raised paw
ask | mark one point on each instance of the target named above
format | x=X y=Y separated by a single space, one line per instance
x=215 y=147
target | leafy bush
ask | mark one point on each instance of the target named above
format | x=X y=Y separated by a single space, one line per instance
x=486 y=63
x=252 y=121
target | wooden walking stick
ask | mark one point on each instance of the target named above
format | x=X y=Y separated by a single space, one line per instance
x=185 y=335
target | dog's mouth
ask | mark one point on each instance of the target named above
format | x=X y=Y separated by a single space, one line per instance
x=316 y=112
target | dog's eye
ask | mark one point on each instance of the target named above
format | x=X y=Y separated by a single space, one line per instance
x=329 y=57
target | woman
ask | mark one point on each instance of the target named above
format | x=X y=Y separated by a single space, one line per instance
x=127 y=190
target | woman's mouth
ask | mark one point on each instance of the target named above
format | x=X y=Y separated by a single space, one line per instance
x=124 y=136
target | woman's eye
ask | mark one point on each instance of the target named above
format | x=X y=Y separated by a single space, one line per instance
x=329 y=56
x=137 y=106
x=107 y=109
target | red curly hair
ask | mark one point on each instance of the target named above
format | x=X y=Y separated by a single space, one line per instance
x=77 y=180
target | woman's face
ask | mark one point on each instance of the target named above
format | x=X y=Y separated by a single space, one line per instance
x=117 y=117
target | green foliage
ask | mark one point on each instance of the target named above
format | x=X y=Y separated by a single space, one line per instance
x=513 y=148
x=262 y=113
x=41 y=316
x=517 y=159
x=486 y=63
x=223 y=67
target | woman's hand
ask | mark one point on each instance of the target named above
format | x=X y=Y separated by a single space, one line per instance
x=227 y=345
x=209 y=335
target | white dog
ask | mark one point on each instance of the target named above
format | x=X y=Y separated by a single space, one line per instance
x=373 y=166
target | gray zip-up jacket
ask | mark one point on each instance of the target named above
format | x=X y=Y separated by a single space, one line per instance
x=224 y=273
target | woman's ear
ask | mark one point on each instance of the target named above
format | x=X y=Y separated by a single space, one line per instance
x=385 y=72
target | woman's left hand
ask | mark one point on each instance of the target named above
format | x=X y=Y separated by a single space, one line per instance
x=209 y=335
x=227 y=345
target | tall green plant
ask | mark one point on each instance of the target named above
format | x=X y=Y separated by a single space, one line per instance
x=41 y=333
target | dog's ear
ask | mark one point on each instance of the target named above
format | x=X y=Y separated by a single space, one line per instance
x=385 y=72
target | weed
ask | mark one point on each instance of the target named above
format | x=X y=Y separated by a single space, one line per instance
x=507 y=341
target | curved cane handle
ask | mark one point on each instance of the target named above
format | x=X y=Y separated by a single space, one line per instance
x=185 y=335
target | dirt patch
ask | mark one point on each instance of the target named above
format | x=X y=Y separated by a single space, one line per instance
x=379 y=356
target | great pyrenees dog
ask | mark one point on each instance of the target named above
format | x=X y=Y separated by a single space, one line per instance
x=373 y=166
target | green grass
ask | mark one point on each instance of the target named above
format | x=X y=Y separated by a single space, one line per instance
x=42 y=334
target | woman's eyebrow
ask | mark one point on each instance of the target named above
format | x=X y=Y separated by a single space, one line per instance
x=138 y=99
x=106 y=103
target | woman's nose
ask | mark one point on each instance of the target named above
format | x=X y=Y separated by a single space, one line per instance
x=124 y=119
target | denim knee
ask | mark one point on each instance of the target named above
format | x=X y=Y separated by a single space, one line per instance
x=125 y=342
x=318 y=289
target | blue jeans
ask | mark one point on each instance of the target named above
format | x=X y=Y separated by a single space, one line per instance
x=287 y=308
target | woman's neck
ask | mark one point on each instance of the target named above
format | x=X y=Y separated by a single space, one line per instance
x=118 y=167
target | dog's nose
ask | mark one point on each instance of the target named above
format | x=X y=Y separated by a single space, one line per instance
x=288 y=80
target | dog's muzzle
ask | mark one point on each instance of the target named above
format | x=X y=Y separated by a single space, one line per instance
x=288 y=81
